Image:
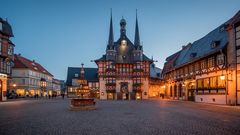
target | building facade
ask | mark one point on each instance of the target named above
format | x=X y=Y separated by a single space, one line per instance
x=29 y=78
x=6 y=57
x=155 y=82
x=56 y=87
x=77 y=76
x=207 y=70
x=124 y=70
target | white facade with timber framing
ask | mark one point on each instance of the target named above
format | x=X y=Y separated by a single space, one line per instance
x=205 y=70
x=124 y=70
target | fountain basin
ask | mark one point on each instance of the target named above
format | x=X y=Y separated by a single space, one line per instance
x=82 y=104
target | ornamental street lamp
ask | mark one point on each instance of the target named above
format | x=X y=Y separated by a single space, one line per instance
x=14 y=88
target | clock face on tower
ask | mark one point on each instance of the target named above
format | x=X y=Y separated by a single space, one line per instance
x=123 y=42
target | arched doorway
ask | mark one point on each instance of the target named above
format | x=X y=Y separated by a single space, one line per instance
x=190 y=94
x=124 y=90
x=175 y=90
x=171 y=91
x=180 y=90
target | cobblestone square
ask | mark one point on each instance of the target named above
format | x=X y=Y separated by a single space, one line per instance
x=42 y=117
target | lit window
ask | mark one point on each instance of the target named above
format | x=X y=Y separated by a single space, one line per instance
x=211 y=62
x=200 y=83
x=206 y=83
x=220 y=59
x=8 y=67
x=10 y=50
x=213 y=82
x=203 y=64
x=221 y=83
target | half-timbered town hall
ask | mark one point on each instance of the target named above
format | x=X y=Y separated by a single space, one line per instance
x=124 y=70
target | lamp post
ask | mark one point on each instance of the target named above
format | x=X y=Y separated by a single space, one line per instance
x=14 y=88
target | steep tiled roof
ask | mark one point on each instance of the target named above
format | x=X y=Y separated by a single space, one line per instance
x=202 y=47
x=170 y=62
x=90 y=74
x=155 y=72
x=125 y=55
x=22 y=62
x=128 y=53
x=101 y=59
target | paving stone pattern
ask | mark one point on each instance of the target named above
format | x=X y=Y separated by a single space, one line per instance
x=147 y=117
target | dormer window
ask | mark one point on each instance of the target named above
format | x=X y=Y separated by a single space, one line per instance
x=222 y=28
x=35 y=68
x=214 y=44
x=193 y=55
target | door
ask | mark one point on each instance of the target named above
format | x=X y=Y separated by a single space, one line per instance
x=175 y=91
x=191 y=95
x=171 y=91
x=124 y=90
x=180 y=90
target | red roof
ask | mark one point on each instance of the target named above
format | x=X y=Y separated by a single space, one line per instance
x=22 y=62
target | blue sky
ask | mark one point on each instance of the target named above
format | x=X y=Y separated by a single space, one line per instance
x=63 y=33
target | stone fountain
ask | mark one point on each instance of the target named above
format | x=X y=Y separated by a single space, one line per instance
x=83 y=99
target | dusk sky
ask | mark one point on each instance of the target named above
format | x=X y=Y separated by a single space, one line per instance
x=64 y=33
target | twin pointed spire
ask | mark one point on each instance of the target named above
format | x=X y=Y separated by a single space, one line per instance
x=137 y=37
x=111 y=37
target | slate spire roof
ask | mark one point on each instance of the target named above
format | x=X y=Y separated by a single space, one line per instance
x=137 y=37
x=123 y=47
x=111 y=37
